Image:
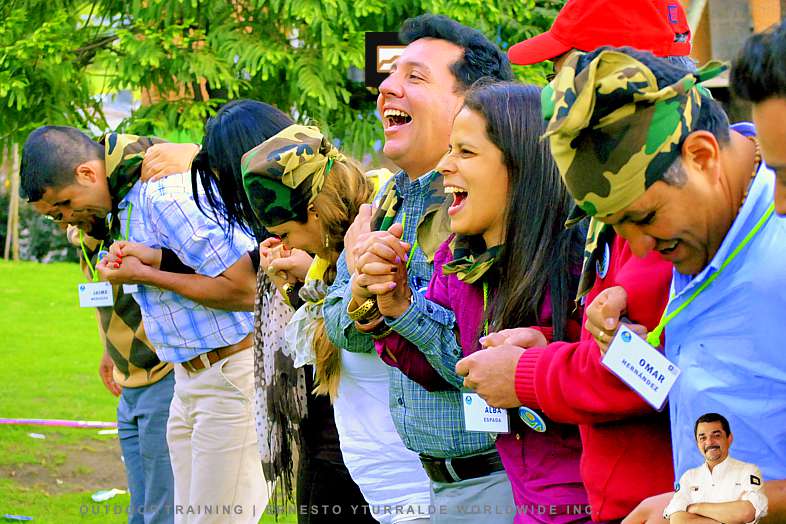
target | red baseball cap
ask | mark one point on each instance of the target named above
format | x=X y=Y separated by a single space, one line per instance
x=658 y=26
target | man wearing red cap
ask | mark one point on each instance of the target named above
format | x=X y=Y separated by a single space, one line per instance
x=627 y=454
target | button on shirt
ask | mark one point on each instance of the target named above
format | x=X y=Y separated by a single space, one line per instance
x=729 y=342
x=729 y=481
x=165 y=214
x=428 y=423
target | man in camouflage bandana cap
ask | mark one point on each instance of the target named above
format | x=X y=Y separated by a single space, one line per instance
x=284 y=174
x=642 y=149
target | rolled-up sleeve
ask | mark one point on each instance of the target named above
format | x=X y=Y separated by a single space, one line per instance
x=681 y=500
x=755 y=495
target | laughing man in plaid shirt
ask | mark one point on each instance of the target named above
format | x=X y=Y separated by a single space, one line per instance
x=211 y=432
x=417 y=103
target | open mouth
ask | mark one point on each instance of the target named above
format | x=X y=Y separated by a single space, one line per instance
x=459 y=198
x=668 y=248
x=395 y=117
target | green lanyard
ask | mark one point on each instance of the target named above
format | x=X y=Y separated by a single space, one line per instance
x=485 y=307
x=90 y=266
x=414 y=244
x=653 y=338
x=87 y=258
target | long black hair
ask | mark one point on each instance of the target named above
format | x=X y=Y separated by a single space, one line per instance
x=539 y=254
x=236 y=128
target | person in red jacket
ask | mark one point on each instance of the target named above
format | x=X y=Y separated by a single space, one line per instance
x=626 y=444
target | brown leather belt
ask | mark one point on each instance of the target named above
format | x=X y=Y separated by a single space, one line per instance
x=461 y=468
x=205 y=360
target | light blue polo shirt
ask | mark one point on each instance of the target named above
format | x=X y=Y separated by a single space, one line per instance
x=730 y=342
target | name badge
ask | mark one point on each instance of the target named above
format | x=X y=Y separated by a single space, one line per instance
x=642 y=367
x=95 y=294
x=130 y=289
x=479 y=416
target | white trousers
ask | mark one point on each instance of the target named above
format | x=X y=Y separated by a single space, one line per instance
x=213 y=444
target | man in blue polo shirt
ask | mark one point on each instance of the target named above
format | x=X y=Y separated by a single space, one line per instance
x=643 y=149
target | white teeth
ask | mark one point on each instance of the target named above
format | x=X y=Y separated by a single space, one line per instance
x=454 y=189
x=670 y=246
x=394 y=112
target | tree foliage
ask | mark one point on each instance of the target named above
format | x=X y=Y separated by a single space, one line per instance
x=187 y=57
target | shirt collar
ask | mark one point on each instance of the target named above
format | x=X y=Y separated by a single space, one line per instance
x=404 y=183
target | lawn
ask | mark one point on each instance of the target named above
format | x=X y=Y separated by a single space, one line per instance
x=51 y=351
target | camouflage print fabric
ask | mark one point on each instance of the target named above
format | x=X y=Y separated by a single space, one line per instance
x=613 y=132
x=434 y=224
x=471 y=259
x=284 y=174
x=123 y=156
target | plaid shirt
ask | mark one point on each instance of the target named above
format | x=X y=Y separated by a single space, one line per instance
x=429 y=423
x=165 y=214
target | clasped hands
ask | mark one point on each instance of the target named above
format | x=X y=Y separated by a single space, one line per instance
x=377 y=261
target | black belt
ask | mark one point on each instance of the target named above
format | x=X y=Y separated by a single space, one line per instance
x=447 y=470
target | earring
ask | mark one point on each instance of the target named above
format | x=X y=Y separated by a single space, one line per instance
x=327 y=241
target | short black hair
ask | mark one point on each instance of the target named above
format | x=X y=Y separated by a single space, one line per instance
x=712 y=117
x=712 y=417
x=50 y=157
x=481 y=57
x=759 y=71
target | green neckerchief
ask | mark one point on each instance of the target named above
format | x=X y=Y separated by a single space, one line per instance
x=123 y=156
x=433 y=226
x=471 y=259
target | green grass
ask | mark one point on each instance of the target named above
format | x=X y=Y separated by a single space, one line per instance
x=50 y=353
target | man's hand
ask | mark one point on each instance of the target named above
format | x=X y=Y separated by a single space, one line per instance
x=162 y=160
x=605 y=314
x=149 y=256
x=522 y=337
x=382 y=270
x=650 y=510
x=360 y=227
x=491 y=373
x=128 y=270
x=105 y=370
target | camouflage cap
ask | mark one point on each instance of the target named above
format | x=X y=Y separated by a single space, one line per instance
x=613 y=131
x=284 y=174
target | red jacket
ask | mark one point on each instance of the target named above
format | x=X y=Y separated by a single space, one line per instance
x=626 y=444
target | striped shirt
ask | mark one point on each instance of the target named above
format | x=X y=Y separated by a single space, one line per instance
x=431 y=423
x=165 y=214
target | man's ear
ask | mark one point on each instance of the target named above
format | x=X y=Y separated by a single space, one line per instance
x=86 y=173
x=701 y=154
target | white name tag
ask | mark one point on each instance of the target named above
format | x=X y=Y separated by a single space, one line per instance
x=95 y=294
x=130 y=289
x=479 y=416
x=642 y=367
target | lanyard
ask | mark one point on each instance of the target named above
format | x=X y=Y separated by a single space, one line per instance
x=92 y=268
x=485 y=307
x=654 y=336
x=414 y=244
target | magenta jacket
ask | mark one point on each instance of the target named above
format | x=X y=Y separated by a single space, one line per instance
x=543 y=467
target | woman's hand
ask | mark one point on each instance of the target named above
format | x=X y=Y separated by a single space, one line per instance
x=162 y=160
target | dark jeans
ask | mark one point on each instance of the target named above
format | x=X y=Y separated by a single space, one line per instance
x=326 y=494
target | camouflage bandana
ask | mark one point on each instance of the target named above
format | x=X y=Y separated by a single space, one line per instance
x=284 y=174
x=471 y=259
x=613 y=132
x=123 y=155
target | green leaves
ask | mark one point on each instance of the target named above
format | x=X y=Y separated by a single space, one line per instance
x=186 y=57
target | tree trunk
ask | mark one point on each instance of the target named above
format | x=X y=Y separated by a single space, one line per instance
x=12 y=229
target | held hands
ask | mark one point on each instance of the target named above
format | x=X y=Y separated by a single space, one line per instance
x=162 y=160
x=492 y=373
x=283 y=266
x=128 y=263
x=605 y=314
x=380 y=269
